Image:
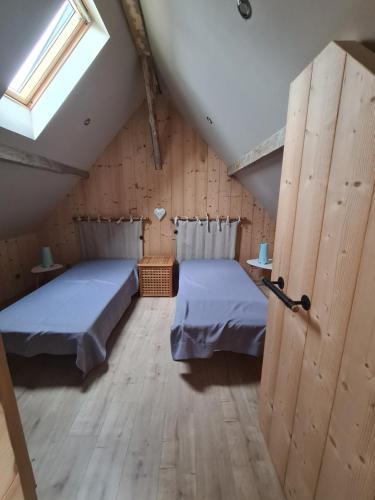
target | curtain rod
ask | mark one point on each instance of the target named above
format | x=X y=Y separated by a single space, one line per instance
x=98 y=218
x=210 y=219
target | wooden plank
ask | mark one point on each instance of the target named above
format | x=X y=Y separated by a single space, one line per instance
x=8 y=462
x=32 y=160
x=266 y=148
x=150 y=95
x=225 y=188
x=14 y=426
x=134 y=16
x=349 y=196
x=326 y=82
x=189 y=171
x=294 y=139
x=201 y=178
x=213 y=179
x=349 y=456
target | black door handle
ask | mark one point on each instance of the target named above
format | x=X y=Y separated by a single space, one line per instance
x=291 y=304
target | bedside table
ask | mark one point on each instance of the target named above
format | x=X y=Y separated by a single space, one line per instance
x=40 y=270
x=254 y=263
x=156 y=276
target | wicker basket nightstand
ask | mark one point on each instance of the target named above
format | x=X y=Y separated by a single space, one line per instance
x=156 y=276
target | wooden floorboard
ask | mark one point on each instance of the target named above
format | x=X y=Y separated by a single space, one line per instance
x=143 y=427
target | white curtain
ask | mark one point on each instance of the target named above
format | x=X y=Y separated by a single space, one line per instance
x=109 y=240
x=206 y=240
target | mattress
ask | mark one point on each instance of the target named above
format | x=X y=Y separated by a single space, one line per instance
x=73 y=314
x=218 y=308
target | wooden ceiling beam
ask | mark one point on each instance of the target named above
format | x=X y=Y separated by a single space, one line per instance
x=38 y=162
x=263 y=150
x=135 y=20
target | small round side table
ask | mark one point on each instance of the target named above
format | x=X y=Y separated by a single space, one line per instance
x=256 y=263
x=267 y=267
x=39 y=270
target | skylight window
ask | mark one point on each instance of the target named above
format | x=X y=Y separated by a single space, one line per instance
x=51 y=50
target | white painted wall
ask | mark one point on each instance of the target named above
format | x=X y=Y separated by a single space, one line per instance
x=238 y=72
x=262 y=179
x=109 y=92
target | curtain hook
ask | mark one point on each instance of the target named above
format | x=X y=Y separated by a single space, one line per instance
x=227 y=221
x=98 y=219
x=131 y=219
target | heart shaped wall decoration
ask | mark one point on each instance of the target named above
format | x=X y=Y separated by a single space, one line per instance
x=159 y=213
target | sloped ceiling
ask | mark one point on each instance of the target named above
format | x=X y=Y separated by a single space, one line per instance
x=108 y=93
x=214 y=63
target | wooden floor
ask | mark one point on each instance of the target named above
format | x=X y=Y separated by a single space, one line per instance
x=145 y=427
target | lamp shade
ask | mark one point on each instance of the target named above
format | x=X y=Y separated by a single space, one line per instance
x=47 y=259
x=263 y=253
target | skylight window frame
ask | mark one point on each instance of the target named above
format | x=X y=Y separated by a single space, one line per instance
x=57 y=61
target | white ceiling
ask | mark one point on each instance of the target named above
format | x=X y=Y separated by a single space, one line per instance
x=108 y=93
x=237 y=72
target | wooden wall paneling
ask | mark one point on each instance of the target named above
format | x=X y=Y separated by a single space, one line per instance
x=350 y=444
x=177 y=165
x=6 y=289
x=165 y=177
x=213 y=180
x=123 y=181
x=130 y=158
x=225 y=185
x=189 y=171
x=153 y=179
x=326 y=81
x=116 y=178
x=17 y=257
x=29 y=256
x=269 y=231
x=176 y=172
x=135 y=137
x=289 y=184
x=246 y=228
x=235 y=209
x=257 y=236
x=349 y=196
x=201 y=177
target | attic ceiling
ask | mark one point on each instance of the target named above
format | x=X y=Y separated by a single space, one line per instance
x=216 y=64
x=108 y=93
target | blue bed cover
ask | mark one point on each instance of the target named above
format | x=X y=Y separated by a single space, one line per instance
x=218 y=308
x=73 y=314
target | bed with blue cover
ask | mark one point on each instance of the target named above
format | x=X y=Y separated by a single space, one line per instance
x=218 y=308
x=73 y=314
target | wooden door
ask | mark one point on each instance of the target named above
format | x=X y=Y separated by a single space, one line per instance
x=317 y=407
x=16 y=476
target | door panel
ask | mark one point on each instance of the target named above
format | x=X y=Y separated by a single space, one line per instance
x=16 y=475
x=336 y=186
x=7 y=460
x=294 y=139
x=327 y=74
